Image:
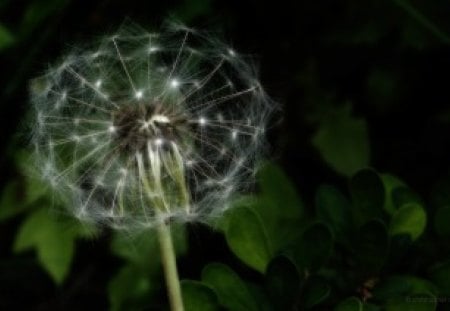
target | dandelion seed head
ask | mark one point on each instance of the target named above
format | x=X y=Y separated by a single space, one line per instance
x=140 y=128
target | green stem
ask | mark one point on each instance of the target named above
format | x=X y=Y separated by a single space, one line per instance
x=170 y=267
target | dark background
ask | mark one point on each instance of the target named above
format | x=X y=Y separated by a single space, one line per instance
x=389 y=60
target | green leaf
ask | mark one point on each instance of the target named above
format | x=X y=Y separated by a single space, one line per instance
x=11 y=201
x=371 y=307
x=409 y=219
x=283 y=283
x=343 y=141
x=350 y=304
x=314 y=247
x=418 y=302
x=368 y=194
x=232 y=292
x=279 y=190
x=384 y=88
x=33 y=186
x=198 y=297
x=260 y=296
x=53 y=241
x=247 y=238
x=6 y=38
x=315 y=291
x=280 y=208
x=442 y=221
x=401 y=286
x=440 y=276
x=335 y=210
x=390 y=183
x=37 y=11
x=372 y=246
x=142 y=249
x=24 y=192
x=130 y=286
x=403 y=195
x=192 y=9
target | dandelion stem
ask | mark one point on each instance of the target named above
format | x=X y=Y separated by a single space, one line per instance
x=170 y=267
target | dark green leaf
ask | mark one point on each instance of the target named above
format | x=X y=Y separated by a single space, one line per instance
x=229 y=287
x=372 y=246
x=343 y=141
x=368 y=195
x=189 y=10
x=315 y=291
x=350 y=304
x=442 y=221
x=130 y=286
x=6 y=38
x=53 y=241
x=409 y=219
x=314 y=247
x=247 y=238
x=261 y=297
x=403 y=195
x=279 y=190
x=279 y=206
x=390 y=183
x=37 y=11
x=401 y=286
x=11 y=201
x=384 y=88
x=198 y=297
x=418 y=302
x=283 y=283
x=335 y=210
x=440 y=275
x=371 y=307
x=143 y=249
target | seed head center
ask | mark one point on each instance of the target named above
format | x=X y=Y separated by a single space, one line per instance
x=138 y=125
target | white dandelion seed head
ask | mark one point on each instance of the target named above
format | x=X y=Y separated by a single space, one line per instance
x=143 y=127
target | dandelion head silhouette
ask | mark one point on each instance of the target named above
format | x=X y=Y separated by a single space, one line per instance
x=142 y=127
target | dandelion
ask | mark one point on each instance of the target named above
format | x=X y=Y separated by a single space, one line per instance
x=144 y=129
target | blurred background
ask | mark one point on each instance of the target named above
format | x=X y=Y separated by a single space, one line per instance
x=360 y=83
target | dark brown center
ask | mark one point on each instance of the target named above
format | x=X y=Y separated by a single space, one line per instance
x=138 y=124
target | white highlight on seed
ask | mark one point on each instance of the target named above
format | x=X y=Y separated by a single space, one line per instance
x=139 y=94
x=98 y=83
x=202 y=121
x=234 y=134
x=174 y=83
x=153 y=49
x=112 y=129
x=159 y=118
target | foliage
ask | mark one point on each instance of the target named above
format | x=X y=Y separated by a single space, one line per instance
x=344 y=256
